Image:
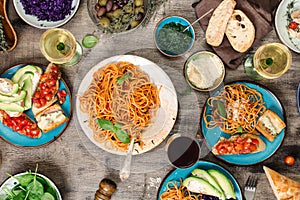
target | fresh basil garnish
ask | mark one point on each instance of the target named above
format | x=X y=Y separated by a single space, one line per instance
x=105 y=124
x=109 y=126
x=122 y=79
x=221 y=109
x=123 y=136
x=240 y=129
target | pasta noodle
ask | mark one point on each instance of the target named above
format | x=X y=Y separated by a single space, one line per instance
x=175 y=192
x=122 y=93
x=235 y=109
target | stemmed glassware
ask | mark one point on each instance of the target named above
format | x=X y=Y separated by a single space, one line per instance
x=269 y=61
x=59 y=46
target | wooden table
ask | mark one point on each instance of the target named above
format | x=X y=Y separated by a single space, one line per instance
x=71 y=166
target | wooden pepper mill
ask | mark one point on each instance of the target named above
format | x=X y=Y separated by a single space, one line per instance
x=106 y=188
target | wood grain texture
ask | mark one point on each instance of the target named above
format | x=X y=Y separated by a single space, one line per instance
x=67 y=161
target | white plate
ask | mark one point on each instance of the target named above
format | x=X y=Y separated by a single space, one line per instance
x=43 y=24
x=281 y=23
x=11 y=182
x=165 y=117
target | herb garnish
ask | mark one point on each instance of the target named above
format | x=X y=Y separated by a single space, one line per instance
x=109 y=126
x=3 y=43
x=221 y=109
x=122 y=79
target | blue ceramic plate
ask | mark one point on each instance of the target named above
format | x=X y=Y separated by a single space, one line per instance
x=178 y=174
x=272 y=103
x=19 y=140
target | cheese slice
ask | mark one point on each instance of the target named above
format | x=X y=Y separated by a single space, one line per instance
x=283 y=187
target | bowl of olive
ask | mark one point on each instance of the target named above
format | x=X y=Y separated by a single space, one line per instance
x=116 y=16
x=174 y=36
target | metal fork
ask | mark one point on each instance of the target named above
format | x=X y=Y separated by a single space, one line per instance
x=250 y=187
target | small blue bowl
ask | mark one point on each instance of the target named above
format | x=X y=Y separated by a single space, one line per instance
x=169 y=37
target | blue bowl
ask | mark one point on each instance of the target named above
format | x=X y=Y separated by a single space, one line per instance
x=169 y=37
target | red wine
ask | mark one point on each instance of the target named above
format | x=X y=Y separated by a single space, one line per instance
x=183 y=152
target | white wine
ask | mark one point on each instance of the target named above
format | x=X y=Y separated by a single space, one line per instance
x=58 y=45
x=272 y=60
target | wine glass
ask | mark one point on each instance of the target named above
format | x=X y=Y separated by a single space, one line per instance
x=269 y=61
x=59 y=46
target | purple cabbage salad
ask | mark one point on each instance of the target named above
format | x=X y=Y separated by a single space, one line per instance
x=50 y=10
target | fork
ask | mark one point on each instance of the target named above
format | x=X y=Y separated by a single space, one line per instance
x=250 y=187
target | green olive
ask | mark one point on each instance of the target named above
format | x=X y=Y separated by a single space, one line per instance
x=128 y=8
x=117 y=13
x=139 y=10
x=138 y=3
x=126 y=18
x=134 y=23
x=110 y=14
x=104 y=22
x=102 y=2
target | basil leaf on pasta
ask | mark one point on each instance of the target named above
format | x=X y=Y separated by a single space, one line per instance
x=123 y=136
x=221 y=109
x=105 y=124
x=122 y=79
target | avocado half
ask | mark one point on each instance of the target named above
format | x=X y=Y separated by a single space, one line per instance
x=224 y=183
x=199 y=185
x=201 y=173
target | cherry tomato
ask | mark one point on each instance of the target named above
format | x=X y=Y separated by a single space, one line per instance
x=289 y=160
x=293 y=25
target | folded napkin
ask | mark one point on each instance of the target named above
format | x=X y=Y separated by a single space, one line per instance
x=260 y=12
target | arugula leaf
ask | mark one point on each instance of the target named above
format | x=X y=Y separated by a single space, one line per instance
x=221 y=109
x=105 y=124
x=123 y=136
x=240 y=129
x=122 y=79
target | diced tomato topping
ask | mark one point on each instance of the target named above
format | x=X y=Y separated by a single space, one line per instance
x=62 y=96
x=293 y=25
x=22 y=125
x=47 y=87
x=239 y=145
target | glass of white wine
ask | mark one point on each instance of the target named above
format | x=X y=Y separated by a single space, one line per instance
x=269 y=61
x=59 y=46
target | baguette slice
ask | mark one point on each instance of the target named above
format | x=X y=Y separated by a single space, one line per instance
x=232 y=145
x=50 y=118
x=270 y=125
x=282 y=186
x=49 y=74
x=240 y=31
x=218 y=22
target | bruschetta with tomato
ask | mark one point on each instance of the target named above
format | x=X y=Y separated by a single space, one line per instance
x=21 y=124
x=239 y=144
x=46 y=91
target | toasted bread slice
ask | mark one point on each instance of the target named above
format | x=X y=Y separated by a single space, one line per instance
x=51 y=73
x=218 y=22
x=240 y=31
x=233 y=145
x=50 y=118
x=270 y=125
x=282 y=186
x=20 y=124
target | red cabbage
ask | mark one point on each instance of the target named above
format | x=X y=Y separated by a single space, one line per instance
x=50 y=10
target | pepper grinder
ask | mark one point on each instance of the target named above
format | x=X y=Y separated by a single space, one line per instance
x=106 y=188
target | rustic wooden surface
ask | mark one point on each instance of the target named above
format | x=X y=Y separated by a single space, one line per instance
x=67 y=161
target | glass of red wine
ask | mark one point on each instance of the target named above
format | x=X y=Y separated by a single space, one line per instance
x=183 y=151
